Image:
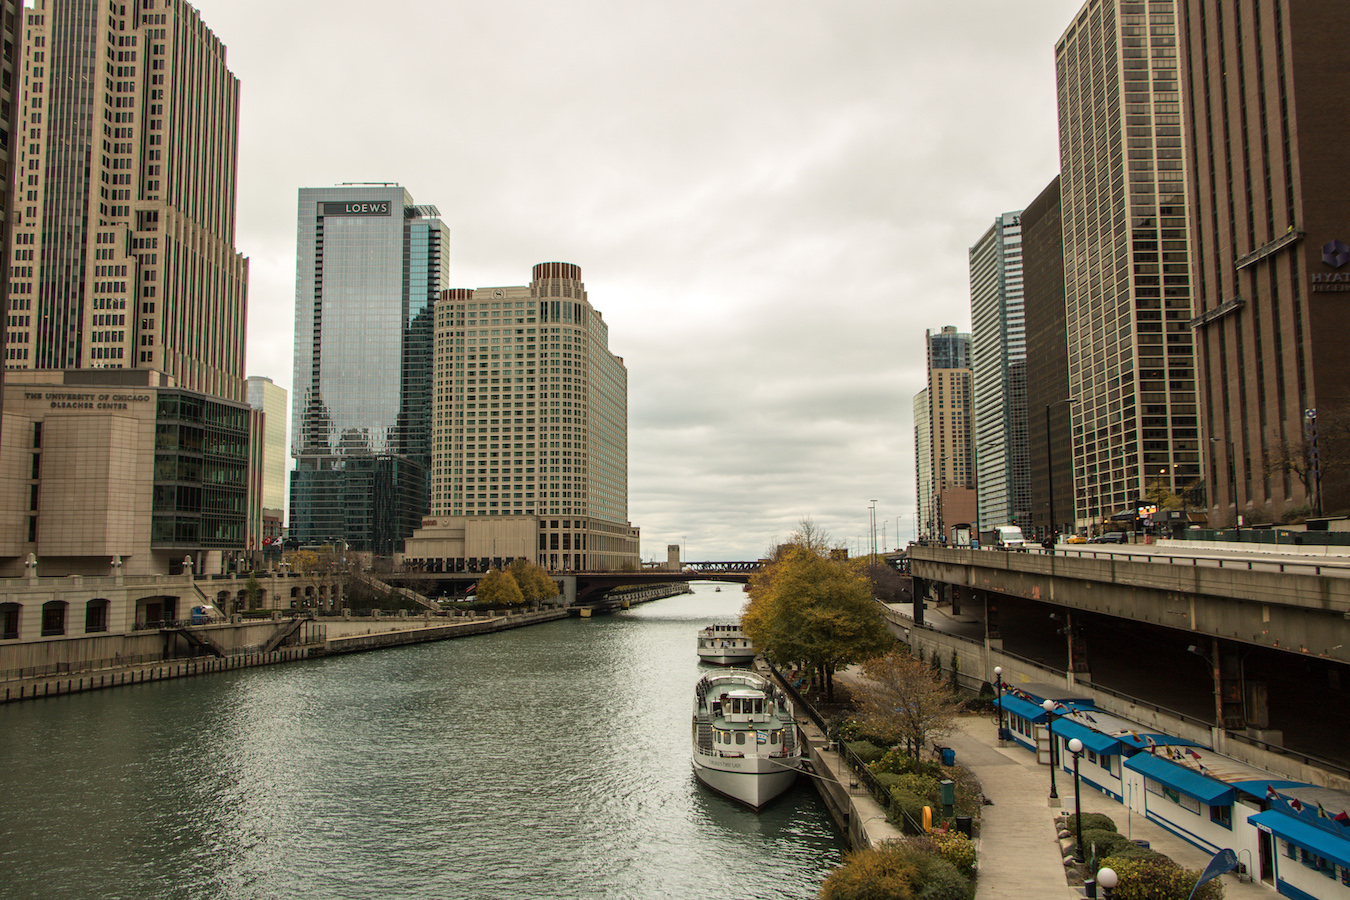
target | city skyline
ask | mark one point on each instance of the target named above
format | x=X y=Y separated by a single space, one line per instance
x=811 y=161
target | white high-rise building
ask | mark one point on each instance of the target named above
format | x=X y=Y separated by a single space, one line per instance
x=998 y=362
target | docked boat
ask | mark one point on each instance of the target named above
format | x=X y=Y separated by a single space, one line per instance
x=724 y=645
x=744 y=736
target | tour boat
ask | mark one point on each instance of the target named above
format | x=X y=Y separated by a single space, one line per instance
x=744 y=736
x=724 y=645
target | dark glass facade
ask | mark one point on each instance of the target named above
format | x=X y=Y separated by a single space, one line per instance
x=201 y=473
x=370 y=267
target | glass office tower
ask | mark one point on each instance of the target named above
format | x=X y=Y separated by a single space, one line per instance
x=370 y=265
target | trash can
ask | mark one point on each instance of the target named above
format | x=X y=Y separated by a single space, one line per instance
x=947 y=755
x=1141 y=844
x=963 y=825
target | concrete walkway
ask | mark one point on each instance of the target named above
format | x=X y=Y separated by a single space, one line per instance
x=1019 y=853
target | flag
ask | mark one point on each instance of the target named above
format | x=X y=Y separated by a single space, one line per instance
x=1271 y=793
x=1296 y=805
x=1223 y=861
x=1321 y=813
x=1194 y=755
x=1342 y=817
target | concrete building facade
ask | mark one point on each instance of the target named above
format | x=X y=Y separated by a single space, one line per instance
x=530 y=430
x=1127 y=284
x=998 y=362
x=124 y=217
x=370 y=266
x=1267 y=99
x=106 y=470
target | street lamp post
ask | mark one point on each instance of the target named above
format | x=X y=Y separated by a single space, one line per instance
x=998 y=683
x=1107 y=879
x=1049 y=707
x=1076 y=748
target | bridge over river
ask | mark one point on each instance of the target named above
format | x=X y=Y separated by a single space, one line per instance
x=582 y=586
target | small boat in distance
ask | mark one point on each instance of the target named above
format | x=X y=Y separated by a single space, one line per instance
x=724 y=645
x=744 y=736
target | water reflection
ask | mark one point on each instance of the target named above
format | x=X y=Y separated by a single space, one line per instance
x=550 y=761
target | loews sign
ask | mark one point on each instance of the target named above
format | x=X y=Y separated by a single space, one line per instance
x=355 y=208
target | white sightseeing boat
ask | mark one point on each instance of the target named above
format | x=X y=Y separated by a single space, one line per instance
x=724 y=645
x=744 y=736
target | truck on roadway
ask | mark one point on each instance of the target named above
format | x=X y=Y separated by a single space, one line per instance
x=1004 y=537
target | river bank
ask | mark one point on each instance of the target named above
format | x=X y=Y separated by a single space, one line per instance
x=314 y=638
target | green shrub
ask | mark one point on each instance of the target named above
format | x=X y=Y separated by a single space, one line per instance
x=896 y=761
x=1091 y=821
x=941 y=881
x=923 y=786
x=906 y=811
x=1158 y=879
x=871 y=874
x=1102 y=842
x=1132 y=850
x=969 y=792
x=867 y=751
x=957 y=849
x=849 y=730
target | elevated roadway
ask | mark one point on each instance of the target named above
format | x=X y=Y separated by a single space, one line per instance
x=1256 y=644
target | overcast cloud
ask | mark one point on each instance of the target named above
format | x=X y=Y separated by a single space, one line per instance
x=769 y=202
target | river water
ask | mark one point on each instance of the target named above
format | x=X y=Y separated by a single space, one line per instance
x=544 y=762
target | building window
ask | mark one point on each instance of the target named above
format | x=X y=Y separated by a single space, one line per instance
x=96 y=616
x=53 y=618
x=1221 y=815
x=9 y=621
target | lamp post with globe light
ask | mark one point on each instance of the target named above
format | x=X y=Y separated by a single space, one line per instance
x=998 y=683
x=1049 y=707
x=1076 y=748
x=1107 y=879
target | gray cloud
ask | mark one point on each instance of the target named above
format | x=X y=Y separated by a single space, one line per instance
x=770 y=202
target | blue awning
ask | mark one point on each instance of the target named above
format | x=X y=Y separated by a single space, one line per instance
x=1092 y=740
x=1304 y=834
x=1206 y=790
x=1024 y=708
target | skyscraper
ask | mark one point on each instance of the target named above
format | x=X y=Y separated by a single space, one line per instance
x=1049 y=431
x=11 y=75
x=530 y=451
x=127 y=437
x=947 y=456
x=1269 y=164
x=270 y=507
x=370 y=266
x=1127 y=294
x=125 y=196
x=998 y=362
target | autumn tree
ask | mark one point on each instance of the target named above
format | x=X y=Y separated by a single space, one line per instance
x=534 y=583
x=805 y=607
x=904 y=700
x=498 y=588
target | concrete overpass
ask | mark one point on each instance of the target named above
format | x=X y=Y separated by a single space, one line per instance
x=1258 y=644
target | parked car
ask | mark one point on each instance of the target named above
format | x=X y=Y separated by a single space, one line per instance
x=1111 y=537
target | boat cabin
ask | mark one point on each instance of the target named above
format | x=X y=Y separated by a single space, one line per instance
x=745 y=706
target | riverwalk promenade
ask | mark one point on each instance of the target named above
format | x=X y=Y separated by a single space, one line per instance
x=1019 y=853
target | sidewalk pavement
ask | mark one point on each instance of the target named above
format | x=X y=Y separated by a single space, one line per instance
x=1019 y=852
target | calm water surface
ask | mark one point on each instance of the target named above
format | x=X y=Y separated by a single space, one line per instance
x=544 y=762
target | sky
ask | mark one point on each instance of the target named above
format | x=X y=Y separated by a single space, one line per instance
x=769 y=200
